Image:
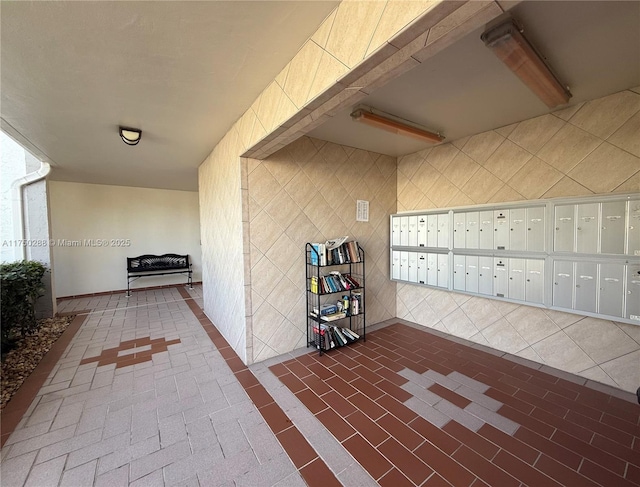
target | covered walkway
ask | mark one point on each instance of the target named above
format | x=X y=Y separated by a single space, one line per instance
x=147 y=392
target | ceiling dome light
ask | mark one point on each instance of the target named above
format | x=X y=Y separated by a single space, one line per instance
x=130 y=136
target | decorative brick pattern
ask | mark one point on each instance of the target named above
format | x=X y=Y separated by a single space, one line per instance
x=115 y=356
x=487 y=418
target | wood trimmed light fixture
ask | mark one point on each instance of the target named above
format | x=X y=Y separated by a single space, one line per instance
x=130 y=136
x=507 y=42
x=392 y=124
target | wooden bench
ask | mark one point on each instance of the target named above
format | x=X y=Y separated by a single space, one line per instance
x=157 y=265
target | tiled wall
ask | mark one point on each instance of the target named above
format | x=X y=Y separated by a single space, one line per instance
x=589 y=148
x=361 y=45
x=307 y=192
x=221 y=229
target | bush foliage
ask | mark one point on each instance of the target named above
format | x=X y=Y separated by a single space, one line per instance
x=21 y=284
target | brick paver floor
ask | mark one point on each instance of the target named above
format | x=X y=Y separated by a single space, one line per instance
x=149 y=393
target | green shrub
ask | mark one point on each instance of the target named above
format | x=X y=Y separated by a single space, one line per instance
x=21 y=284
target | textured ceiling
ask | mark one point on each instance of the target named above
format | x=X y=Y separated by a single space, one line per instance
x=181 y=71
x=594 y=47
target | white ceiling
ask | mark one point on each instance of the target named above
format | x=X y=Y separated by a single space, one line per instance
x=182 y=71
x=594 y=47
x=185 y=71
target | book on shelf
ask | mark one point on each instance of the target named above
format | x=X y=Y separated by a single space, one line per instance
x=334 y=316
x=334 y=252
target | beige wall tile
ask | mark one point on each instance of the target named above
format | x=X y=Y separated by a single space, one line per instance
x=627 y=137
x=352 y=30
x=302 y=71
x=568 y=147
x=269 y=102
x=503 y=336
x=507 y=160
x=505 y=194
x=532 y=324
x=624 y=370
x=534 y=179
x=322 y=34
x=562 y=319
x=560 y=351
x=459 y=325
x=264 y=231
x=460 y=199
x=603 y=116
x=481 y=146
x=482 y=186
x=631 y=185
x=566 y=187
x=596 y=373
x=566 y=113
x=262 y=185
x=409 y=164
x=425 y=177
x=441 y=192
x=441 y=155
x=481 y=312
x=532 y=134
x=605 y=168
x=328 y=72
x=600 y=340
x=506 y=130
x=460 y=170
x=441 y=303
x=396 y=16
x=456 y=19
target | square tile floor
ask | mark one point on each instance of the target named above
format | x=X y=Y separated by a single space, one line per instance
x=149 y=393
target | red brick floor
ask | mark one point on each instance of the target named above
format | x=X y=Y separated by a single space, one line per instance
x=536 y=429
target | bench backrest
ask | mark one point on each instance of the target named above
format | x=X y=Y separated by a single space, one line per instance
x=157 y=262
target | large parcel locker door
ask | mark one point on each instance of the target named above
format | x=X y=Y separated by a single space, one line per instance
x=534 y=281
x=612 y=227
x=395 y=231
x=535 y=229
x=413 y=231
x=611 y=289
x=459 y=230
x=518 y=229
x=422 y=231
x=516 y=278
x=501 y=277
x=404 y=266
x=443 y=230
x=485 y=232
x=432 y=269
x=404 y=231
x=472 y=225
x=632 y=307
x=563 y=284
x=587 y=228
x=432 y=230
x=422 y=268
x=459 y=272
x=485 y=275
x=471 y=275
x=443 y=270
x=586 y=286
x=501 y=229
x=633 y=228
x=413 y=266
x=395 y=264
x=564 y=229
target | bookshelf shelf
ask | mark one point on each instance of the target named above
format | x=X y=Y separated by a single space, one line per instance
x=330 y=273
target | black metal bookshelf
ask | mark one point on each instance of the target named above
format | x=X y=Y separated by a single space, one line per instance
x=325 y=289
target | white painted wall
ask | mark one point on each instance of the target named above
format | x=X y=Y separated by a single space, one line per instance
x=155 y=221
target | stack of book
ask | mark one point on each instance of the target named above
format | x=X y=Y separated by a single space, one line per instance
x=333 y=283
x=334 y=252
x=328 y=336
